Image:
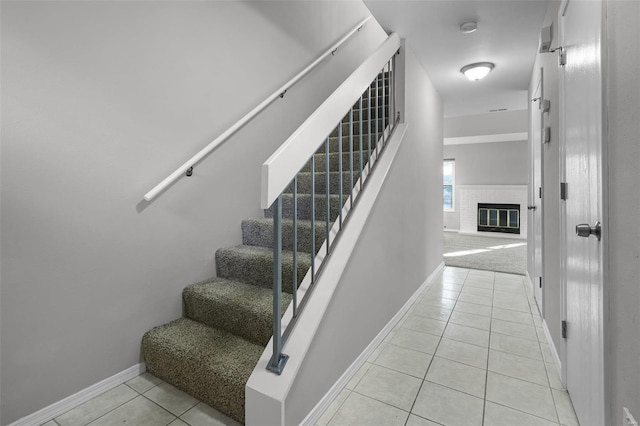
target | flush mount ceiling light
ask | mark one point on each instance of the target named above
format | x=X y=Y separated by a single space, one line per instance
x=468 y=27
x=477 y=71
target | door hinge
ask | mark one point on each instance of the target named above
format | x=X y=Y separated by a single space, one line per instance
x=564 y=329
x=562 y=57
x=539 y=192
x=547 y=134
x=540 y=282
x=563 y=190
x=546 y=105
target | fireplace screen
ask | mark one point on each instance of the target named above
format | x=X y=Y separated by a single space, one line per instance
x=499 y=218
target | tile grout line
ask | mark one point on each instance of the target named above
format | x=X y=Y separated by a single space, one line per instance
x=546 y=373
x=112 y=410
x=382 y=402
x=486 y=373
x=434 y=355
x=523 y=412
x=176 y=417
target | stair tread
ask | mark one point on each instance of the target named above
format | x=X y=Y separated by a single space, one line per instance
x=301 y=222
x=259 y=232
x=254 y=265
x=263 y=252
x=209 y=364
x=243 y=309
x=248 y=297
x=230 y=356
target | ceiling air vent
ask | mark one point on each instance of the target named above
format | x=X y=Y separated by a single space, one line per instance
x=497 y=110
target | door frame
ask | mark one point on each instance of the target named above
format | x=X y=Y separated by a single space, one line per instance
x=535 y=195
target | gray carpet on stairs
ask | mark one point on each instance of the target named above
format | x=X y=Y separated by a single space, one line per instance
x=209 y=364
x=488 y=253
x=212 y=351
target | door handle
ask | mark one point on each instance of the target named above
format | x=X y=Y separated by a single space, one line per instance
x=532 y=207
x=585 y=230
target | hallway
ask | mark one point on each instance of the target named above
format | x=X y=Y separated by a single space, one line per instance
x=492 y=366
x=470 y=351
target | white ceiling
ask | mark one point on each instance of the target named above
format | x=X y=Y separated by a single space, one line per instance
x=507 y=35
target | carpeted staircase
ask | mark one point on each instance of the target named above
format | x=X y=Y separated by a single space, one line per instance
x=211 y=352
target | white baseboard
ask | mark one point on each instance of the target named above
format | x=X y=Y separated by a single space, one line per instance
x=451 y=230
x=494 y=235
x=552 y=346
x=529 y=281
x=328 y=398
x=70 y=402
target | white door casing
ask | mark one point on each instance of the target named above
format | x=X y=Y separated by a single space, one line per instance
x=535 y=192
x=581 y=106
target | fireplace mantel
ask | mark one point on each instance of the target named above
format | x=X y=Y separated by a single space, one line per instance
x=471 y=195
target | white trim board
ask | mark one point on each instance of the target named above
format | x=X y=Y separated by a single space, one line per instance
x=493 y=235
x=554 y=351
x=70 y=402
x=317 y=411
x=500 y=137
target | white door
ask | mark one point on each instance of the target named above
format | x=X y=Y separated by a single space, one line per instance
x=536 y=192
x=582 y=129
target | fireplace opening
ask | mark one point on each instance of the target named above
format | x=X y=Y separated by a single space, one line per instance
x=499 y=218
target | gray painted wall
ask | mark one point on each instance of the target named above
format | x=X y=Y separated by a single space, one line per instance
x=399 y=247
x=623 y=149
x=101 y=100
x=552 y=290
x=499 y=163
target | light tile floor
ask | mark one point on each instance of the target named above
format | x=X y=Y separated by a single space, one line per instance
x=143 y=401
x=470 y=351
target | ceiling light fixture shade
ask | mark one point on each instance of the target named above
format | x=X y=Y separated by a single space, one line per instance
x=468 y=27
x=477 y=71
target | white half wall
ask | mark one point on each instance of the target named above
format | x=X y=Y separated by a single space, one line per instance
x=399 y=247
x=101 y=101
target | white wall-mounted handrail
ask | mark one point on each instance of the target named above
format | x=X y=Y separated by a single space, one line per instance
x=294 y=153
x=180 y=171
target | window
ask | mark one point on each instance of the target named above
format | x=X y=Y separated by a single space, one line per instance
x=448 y=182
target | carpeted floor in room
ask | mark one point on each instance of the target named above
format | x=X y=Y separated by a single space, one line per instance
x=488 y=253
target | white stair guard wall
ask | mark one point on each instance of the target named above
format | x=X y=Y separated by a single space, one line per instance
x=391 y=243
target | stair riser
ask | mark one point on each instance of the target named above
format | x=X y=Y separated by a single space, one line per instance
x=304 y=181
x=260 y=234
x=333 y=142
x=192 y=377
x=304 y=207
x=366 y=110
x=257 y=270
x=231 y=318
x=334 y=165
x=365 y=113
x=356 y=129
x=372 y=99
